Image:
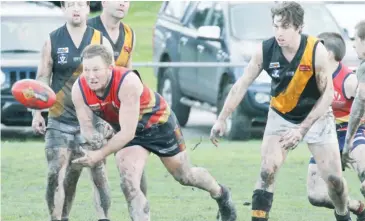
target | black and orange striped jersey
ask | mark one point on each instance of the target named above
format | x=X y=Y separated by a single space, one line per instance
x=154 y=109
x=124 y=45
x=67 y=67
x=294 y=89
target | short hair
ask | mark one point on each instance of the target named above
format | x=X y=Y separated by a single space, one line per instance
x=95 y=50
x=291 y=13
x=335 y=43
x=360 y=29
x=63 y=3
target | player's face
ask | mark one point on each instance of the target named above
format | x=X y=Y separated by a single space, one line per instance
x=359 y=46
x=284 y=32
x=96 y=72
x=76 y=12
x=116 y=9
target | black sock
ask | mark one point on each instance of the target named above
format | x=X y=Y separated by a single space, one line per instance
x=261 y=205
x=103 y=220
x=64 y=219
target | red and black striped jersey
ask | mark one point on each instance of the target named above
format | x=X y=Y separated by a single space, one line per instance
x=153 y=107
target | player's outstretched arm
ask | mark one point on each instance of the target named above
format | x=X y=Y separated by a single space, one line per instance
x=129 y=96
x=358 y=106
x=240 y=87
x=85 y=116
x=323 y=74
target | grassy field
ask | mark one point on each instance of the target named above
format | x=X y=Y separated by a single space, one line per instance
x=234 y=164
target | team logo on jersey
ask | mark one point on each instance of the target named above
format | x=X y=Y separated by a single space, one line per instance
x=77 y=59
x=304 y=67
x=62 y=50
x=290 y=73
x=62 y=58
x=275 y=73
x=127 y=49
x=274 y=65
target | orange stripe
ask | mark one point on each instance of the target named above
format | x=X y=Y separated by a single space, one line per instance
x=259 y=214
x=287 y=100
x=126 y=50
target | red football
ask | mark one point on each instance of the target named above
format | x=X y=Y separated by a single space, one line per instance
x=33 y=94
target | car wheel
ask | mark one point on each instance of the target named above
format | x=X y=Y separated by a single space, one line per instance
x=238 y=124
x=169 y=89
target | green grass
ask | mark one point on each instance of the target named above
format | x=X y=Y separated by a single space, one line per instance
x=235 y=164
x=142 y=17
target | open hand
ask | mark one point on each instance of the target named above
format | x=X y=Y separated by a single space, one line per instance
x=291 y=139
x=217 y=131
x=90 y=158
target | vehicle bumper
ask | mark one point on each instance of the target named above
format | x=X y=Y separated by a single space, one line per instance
x=14 y=113
x=256 y=103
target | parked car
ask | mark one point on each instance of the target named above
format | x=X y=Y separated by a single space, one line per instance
x=25 y=27
x=203 y=31
x=348 y=14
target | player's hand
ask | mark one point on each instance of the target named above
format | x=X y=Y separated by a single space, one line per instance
x=38 y=123
x=106 y=130
x=90 y=158
x=217 y=131
x=346 y=160
x=290 y=139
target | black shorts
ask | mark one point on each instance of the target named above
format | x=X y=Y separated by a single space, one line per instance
x=164 y=140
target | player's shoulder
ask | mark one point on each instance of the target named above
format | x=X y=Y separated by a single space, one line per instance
x=92 y=21
x=57 y=32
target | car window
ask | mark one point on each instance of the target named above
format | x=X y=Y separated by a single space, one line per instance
x=176 y=8
x=200 y=15
x=216 y=18
x=245 y=24
x=27 y=33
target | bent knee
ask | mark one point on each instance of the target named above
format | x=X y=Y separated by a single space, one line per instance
x=336 y=183
x=268 y=174
x=184 y=176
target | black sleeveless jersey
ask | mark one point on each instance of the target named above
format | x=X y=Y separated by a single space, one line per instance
x=294 y=89
x=66 y=69
x=123 y=46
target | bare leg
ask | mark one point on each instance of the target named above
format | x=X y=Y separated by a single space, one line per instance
x=358 y=154
x=72 y=176
x=144 y=183
x=272 y=158
x=58 y=161
x=180 y=168
x=318 y=193
x=183 y=172
x=131 y=161
x=328 y=162
x=101 y=190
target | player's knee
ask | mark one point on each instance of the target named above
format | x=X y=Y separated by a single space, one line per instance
x=183 y=177
x=314 y=199
x=268 y=174
x=130 y=190
x=335 y=183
